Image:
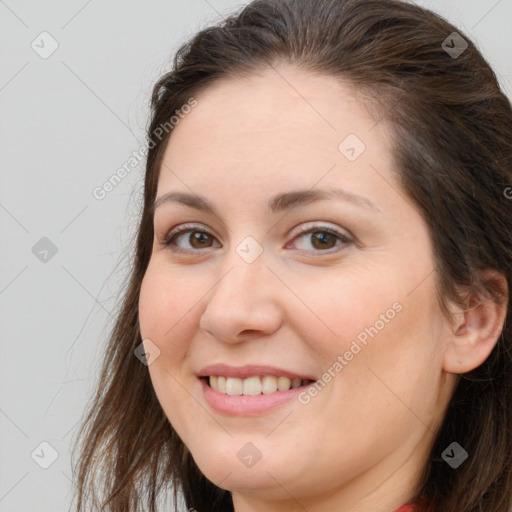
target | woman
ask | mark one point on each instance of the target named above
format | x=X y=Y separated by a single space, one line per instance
x=316 y=314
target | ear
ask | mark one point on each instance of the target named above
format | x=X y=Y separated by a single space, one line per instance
x=476 y=329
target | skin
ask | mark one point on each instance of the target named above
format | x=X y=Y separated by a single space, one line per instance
x=361 y=442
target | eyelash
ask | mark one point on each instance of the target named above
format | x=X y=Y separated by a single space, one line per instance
x=187 y=228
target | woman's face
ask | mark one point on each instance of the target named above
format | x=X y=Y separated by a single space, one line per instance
x=298 y=252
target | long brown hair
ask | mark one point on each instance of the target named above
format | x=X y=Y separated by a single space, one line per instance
x=452 y=131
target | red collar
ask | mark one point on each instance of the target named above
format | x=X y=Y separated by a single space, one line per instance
x=405 y=508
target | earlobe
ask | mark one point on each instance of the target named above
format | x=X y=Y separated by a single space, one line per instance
x=476 y=329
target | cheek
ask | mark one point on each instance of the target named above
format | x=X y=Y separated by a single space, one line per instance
x=369 y=321
x=357 y=305
x=166 y=317
x=166 y=303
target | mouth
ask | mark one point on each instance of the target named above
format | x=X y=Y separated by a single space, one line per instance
x=254 y=385
x=253 y=396
x=250 y=390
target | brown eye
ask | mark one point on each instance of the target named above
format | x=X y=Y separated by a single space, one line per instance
x=200 y=239
x=319 y=239
x=323 y=240
x=187 y=239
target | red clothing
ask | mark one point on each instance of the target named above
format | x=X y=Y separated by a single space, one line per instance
x=406 y=508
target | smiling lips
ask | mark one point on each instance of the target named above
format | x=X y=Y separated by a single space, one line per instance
x=254 y=385
x=249 y=389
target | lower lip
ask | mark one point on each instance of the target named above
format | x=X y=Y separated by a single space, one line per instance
x=245 y=405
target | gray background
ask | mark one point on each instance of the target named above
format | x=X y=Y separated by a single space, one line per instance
x=67 y=123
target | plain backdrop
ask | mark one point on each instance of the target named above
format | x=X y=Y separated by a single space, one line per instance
x=69 y=119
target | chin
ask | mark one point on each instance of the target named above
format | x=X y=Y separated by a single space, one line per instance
x=232 y=468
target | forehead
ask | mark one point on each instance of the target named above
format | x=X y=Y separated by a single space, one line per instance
x=274 y=126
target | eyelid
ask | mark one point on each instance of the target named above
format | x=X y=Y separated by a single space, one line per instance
x=303 y=229
x=181 y=229
x=319 y=226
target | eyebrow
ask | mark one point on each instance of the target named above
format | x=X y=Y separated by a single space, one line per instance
x=279 y=203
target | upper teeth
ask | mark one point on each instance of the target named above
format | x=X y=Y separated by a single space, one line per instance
x=253 y=385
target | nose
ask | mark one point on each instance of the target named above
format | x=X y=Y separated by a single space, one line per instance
x=243 y=303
